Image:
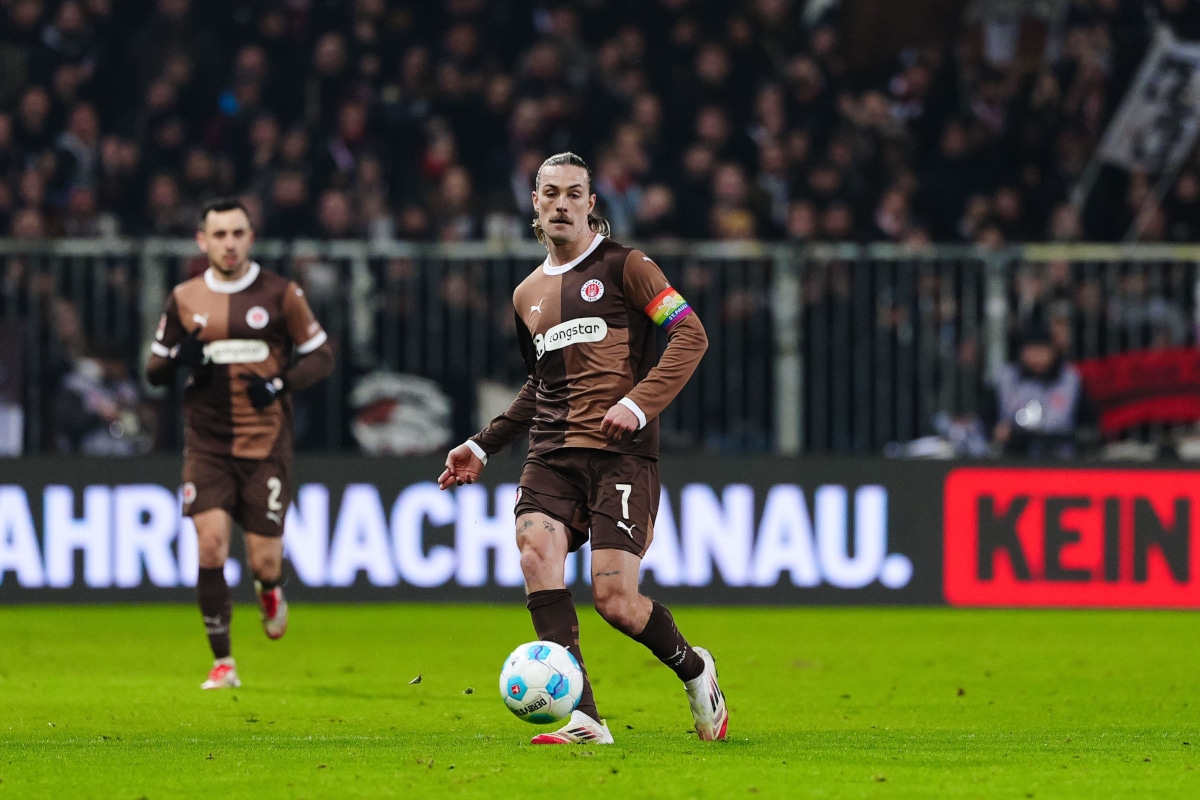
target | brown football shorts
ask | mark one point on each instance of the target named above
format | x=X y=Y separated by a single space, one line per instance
x=611 y=497
x=255 y=493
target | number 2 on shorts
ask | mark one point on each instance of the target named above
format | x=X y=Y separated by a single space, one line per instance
x=624 y=489
x=276 y=486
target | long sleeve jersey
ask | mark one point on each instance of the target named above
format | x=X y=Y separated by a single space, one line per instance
x=587 y=335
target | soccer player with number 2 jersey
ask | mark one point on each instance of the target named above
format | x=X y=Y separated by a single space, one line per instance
x=249 y=339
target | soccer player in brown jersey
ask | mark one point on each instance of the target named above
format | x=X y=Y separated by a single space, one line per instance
x=249 y=339
x=586 y=320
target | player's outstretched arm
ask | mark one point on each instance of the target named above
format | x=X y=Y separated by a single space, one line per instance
x=465 y=462
x=462 y=466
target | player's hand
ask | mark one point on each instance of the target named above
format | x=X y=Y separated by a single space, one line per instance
x=618 y=422
x=462 y=466
x=262 y=391
x=189 y=351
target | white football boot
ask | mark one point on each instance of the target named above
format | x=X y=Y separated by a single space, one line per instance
x=223 y=675
x=707 y=701
x=274 y=610
x=580 y=729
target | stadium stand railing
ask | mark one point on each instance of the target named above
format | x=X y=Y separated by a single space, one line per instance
x=821 y=348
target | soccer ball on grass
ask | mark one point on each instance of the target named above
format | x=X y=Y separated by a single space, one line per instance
x=541 y=682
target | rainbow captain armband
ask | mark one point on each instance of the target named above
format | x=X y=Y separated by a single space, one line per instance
x=668 y=309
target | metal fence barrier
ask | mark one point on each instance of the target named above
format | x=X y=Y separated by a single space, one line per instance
x=813 y=349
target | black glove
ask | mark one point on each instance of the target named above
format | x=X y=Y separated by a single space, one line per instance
x=262 y=391
x=190 y=350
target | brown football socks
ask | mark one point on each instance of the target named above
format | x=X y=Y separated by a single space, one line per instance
x=667 y=644
x=555 y=620
x=216 y=605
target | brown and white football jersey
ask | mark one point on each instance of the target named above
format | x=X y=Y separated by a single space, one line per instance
x=587 y=333
x=252 y=326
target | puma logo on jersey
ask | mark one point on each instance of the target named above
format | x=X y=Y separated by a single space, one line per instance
x=538 y=307
x=627 y=528
x=200 y=319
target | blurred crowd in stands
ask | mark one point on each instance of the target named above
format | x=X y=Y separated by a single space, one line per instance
x=703 y=120
x=425 y=121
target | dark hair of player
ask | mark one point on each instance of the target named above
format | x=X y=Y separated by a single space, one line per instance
x=219 y=204
x=598 y=224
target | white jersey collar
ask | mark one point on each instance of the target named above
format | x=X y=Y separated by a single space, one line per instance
x=231 y=287
x=570 y=265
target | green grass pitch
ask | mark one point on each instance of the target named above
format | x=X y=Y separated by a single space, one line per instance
x=104 y=702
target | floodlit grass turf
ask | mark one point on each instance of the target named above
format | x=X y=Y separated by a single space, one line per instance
x=104 y=702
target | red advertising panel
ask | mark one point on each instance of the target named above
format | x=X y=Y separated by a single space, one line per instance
x=1071 y=537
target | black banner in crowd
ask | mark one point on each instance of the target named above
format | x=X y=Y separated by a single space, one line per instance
x=729 y=531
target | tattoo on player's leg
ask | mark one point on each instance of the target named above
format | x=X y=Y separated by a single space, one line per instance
x=526 y=525
x=606 y=574
x=549 y=526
